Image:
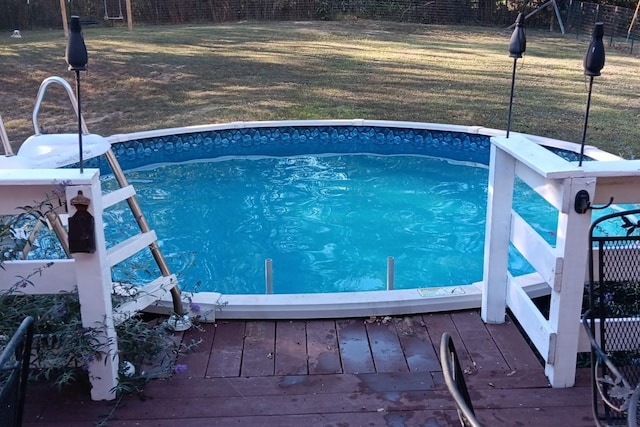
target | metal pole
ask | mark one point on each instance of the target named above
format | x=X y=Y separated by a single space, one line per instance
x=586 y=120
x=79 y=120
x=513 y=84
x=268 y=275
x=390 y=273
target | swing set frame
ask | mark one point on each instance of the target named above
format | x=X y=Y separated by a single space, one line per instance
x=65 y=22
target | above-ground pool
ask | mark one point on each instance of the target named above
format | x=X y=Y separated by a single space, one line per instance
x=421 y=149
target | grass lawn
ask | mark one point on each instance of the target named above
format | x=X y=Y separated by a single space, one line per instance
x=166 y=76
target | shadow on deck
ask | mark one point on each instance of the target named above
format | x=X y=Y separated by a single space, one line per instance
x=344 y=372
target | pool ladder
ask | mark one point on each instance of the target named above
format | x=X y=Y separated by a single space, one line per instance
x=146 y=238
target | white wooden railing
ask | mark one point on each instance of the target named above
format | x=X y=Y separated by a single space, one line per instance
x=89 y=273
x=563 y=266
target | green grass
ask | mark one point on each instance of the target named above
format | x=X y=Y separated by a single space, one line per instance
x=158 y=77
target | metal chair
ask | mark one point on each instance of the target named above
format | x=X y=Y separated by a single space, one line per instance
x=612 y=321
x=612 y=392
x=14 y=370
x=454 y=378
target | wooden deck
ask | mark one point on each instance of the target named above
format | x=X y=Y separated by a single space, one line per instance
x=341 y=373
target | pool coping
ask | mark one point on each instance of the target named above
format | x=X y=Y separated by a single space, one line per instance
x=589 y=150
x=209 y=306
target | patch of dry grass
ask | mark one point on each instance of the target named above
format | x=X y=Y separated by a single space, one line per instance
x=158 y=77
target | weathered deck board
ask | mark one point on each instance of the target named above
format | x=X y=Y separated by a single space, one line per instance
x=513 y=346
x=418 y=350
x=291 y=342
x=346 y=372
x=322 y=347
x=226 y=353
x=355 y=350
x=478 y=342
x=197 y=360
x=385 y=346
x=259 y=349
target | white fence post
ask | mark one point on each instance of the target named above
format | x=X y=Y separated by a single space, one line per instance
x=497 y=236
x=93 y=276
x=572 y=243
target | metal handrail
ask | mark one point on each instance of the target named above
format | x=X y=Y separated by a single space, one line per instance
x=41 y=92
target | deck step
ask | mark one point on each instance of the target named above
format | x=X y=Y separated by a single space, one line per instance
x=129 y=247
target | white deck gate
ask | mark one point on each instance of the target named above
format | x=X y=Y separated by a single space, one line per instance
x=563 y=267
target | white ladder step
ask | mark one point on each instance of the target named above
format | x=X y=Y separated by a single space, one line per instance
x=108 y=200
x=117 y=196
x=144 y=297
x=129 y=247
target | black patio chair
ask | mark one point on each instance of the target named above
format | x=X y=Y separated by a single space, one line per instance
x=454 y=378
x=612 y=321
x=14 y=370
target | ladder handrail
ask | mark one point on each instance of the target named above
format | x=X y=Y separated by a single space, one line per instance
x=181 y=319
x=6 y=145
x=41 y=92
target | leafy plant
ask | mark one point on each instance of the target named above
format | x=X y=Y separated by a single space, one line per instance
x=63 y=348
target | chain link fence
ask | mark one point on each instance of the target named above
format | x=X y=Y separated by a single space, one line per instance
x=578 y=17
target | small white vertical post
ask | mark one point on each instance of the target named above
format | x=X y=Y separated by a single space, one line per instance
x=390 y=272
x=93 y=276
x=268 y=275
x=566 y=295
x=497 y=236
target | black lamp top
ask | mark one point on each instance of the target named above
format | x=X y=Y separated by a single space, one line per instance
x=594 y=57
x=76 y=54
x=518 y=41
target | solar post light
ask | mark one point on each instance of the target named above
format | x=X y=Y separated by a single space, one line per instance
x=593 y=64
x=517 y=46
x=76 y=57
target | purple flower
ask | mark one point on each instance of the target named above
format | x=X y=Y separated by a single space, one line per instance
x=180 y=368
x=194 y=307
x=608 y=297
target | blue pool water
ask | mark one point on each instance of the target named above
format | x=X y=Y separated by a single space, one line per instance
x=328 y=222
